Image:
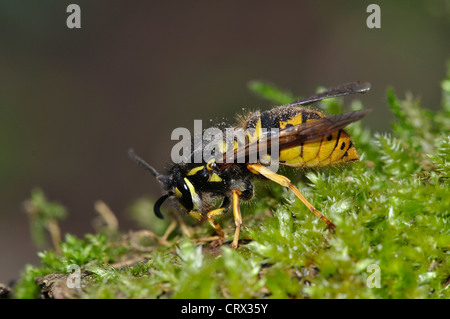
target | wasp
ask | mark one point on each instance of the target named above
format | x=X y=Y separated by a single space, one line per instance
x=306 y=138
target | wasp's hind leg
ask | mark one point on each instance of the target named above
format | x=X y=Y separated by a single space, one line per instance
x=237 y=217
x=284 y=181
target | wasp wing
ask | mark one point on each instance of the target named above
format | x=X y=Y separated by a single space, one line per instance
x=343 y=89
x=316 y=128
x=295 y=135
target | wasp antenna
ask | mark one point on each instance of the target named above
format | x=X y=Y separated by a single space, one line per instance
x=159 y=203
x=143 y=163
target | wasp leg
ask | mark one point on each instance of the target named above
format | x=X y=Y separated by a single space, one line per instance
x=284 y=181
x=211 y=219
x=237 y=217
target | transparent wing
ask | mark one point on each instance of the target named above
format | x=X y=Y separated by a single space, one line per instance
x=343 y=89
x=298 y=134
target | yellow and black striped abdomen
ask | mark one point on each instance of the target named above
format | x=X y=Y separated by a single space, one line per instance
x=328 y=150
x=333 y=148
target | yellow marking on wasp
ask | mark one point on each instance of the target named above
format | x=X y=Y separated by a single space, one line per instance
x=291 y=154
x=302 y=155
x=177 y=192
x=214 y=178
x=328 y=150
x=295 y=120
x=311 y=152
x=195 y=170
x=352 y=154
x=256 y=133
x=196 y=214
x=223 y=147
x=341 y=148
x=195 y=198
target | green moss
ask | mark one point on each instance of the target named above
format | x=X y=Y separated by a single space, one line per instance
x=391 y=211
x=42 y=213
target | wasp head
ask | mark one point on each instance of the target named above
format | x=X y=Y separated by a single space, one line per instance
x=176 y=185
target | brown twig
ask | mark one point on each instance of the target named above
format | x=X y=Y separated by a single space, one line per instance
x=107 y=215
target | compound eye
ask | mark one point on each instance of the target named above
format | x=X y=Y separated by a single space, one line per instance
x=184 y=195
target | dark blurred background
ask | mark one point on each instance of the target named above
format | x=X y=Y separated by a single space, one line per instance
x=72 y=101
